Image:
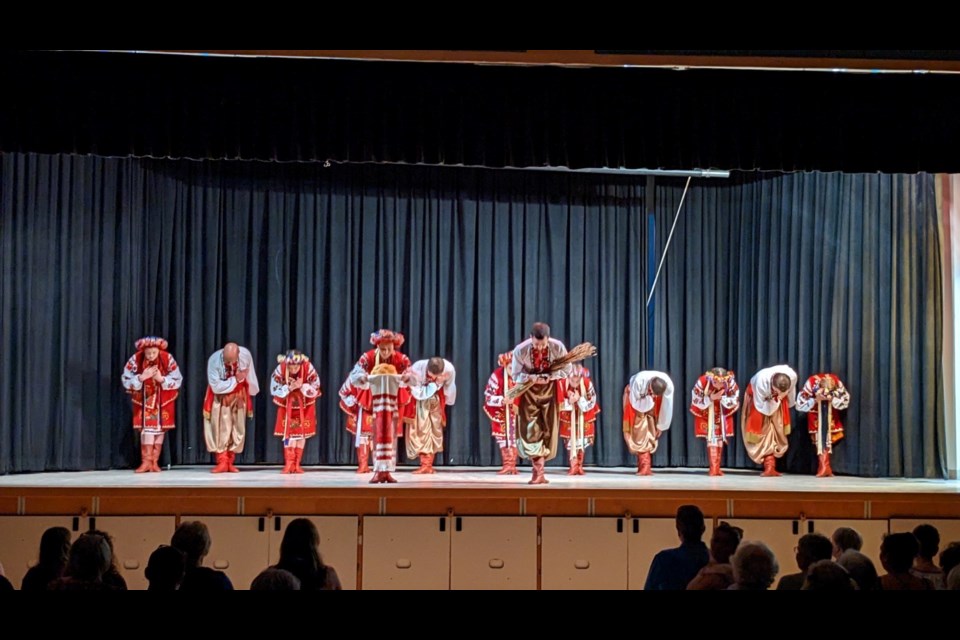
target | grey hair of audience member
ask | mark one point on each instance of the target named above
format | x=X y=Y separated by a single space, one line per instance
x=754 y=566
x=861 y=569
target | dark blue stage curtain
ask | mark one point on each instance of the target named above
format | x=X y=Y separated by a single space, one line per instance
x=97 y=252
x=821 y=271
x=208 y=108
x=824 y=272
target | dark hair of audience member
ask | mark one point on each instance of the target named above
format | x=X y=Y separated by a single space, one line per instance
x=827 y=575
x=811 y=548
x=54 y=555
x=950 y=557
x=690 y=523
x=165 y=569
x=300 y=555
x=897 y=552
x=724 y=542
x=929 y=540
x=90 y=559
x=112 y=576
x=273 y=579
x=192 y=538
x=846 y=538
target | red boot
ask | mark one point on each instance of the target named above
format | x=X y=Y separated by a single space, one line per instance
x=715 y=453
x=514 y=459
x=769 y=467
x=505 y=464
x=576 y=465
x=644 y=464
x=509 y=462
x=223 y=464
x=539 y=475
x=155 y=457
x=146 y=454
x=573 y=467
x=426 y=464
x=231 y=456
x=297 y=457
x=363 y=458
x=288 y=460
x=824 y=470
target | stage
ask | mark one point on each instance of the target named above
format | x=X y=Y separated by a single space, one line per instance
x=461 y=528
x=263 y=490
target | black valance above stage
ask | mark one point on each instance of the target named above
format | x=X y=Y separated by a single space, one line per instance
x=307 y=110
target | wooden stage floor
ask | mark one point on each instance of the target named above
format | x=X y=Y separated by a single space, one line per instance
x=262 y=490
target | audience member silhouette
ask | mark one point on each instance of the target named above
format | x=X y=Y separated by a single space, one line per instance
x=300 y=555
x=193 y=539
x=54 y=554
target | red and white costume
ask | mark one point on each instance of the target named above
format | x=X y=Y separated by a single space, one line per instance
x=425 y=415
x=766 y=418
x=503 y=422
x=838 y=399
x=295 y=395
x=645 y=416
x=713 y=419
x=227 y=406
x=578 y=415
x=361 y=402
x=154 y=411
x=538 y=423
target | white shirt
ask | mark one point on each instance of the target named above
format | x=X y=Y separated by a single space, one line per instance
x=131 y=377
x=217 y=373
x=642 y=398
x=419 y=369
x=523 y=357
x=763 y=398
x=310 y=387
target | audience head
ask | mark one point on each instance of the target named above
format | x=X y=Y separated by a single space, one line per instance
x=55 y=548
x=846 y=538
x=690 y=524
x=950 y=557
x=90 y=558
x=754 y=566
x=929 y=540
x=165 y=569
x=827 y=575
x=724 y=542
x=811 y=548
x=861 y=569
x=193 y=539
x=953 y=579
x=274 y=579
x=897 y=552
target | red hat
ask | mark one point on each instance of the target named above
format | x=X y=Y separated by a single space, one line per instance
x=385 y=335
x=151 y=341
x=505 y=358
